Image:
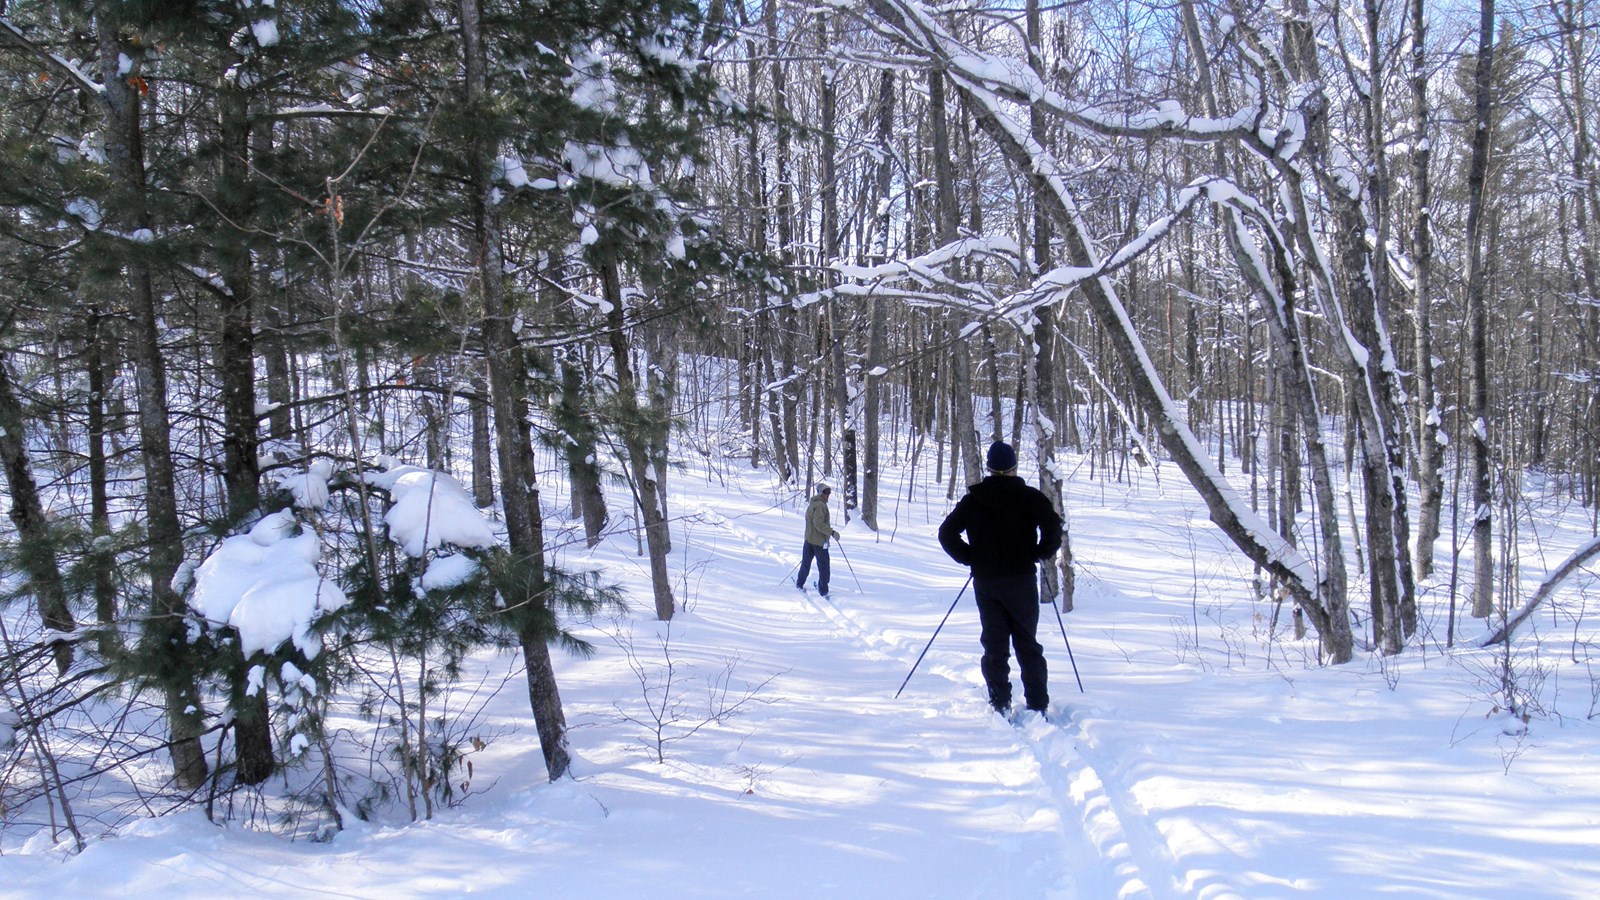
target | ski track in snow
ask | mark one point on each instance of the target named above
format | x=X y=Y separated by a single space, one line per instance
x=716 y=518
x=1072 y=768
x=1124 y=831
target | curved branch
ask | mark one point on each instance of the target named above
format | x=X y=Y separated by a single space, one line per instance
x=1574 y=562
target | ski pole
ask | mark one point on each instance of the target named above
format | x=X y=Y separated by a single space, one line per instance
x=848 y=566
x=792 y=569
x=930 y=640
x=1064 y=640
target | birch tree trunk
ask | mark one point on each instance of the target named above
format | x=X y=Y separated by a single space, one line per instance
x=1373 y=326
x=1059 y=578
x=1275 y=292
x=1365 y=353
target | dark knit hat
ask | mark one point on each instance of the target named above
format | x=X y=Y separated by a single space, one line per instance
x=1001 y=457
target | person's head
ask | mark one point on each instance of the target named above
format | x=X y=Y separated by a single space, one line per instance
x=824 y=491
x=1002 y=460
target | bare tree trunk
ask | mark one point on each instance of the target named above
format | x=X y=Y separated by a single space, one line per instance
x=753 y=186
x=963 y=428
x=482 y=442
x=991 y=356
x=1275 y=292
x=37 y=544
x=1477 y=318
x=750 y=392
x=1575 y=22
x=236 y=351
x=1247 y=532
x=434 y=415
x=1430 y=438
x=582 y=462
x=166 y=628
x=236 y=360
x=103 y=561
x=660 y=385
x=1058 y=579
x=1372 y=321
x=636 y=444
x=872 y=384
x=1374 y=390
x=772 y=394
x=948 y=219
x=279 y=381
x=834 y=312
x=507 y=377
x=270 y=344
x=783 y=213
x=871 y=410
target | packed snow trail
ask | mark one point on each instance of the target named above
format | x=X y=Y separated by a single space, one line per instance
x=1096 y=847
x=1093 y=775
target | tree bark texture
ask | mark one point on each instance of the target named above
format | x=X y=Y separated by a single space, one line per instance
x=636 y=443
x=165 y=626
x=508 y=390
x=37 y=545
x=1430 y=436
x=1477 y=318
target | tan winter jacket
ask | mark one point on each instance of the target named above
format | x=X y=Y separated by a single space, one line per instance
x=818 y=526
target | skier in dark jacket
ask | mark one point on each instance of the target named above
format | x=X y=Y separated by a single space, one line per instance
x=1009 y=526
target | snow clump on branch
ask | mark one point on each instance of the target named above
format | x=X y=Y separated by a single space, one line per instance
x=266 y=585
x=429 y=509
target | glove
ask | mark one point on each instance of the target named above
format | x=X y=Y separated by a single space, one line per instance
x=834 y=533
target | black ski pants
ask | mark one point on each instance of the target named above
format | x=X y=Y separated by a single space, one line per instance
x=1008 y=611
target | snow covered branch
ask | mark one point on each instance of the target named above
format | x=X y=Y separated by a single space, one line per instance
x=1573 y=563
x=11 y=34
x=999 y=93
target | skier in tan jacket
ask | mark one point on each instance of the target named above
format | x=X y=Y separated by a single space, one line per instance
x=818 y=529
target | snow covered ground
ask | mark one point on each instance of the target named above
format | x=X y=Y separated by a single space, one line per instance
x=1200 y=760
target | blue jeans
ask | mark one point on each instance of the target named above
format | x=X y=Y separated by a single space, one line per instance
x=808 y=552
